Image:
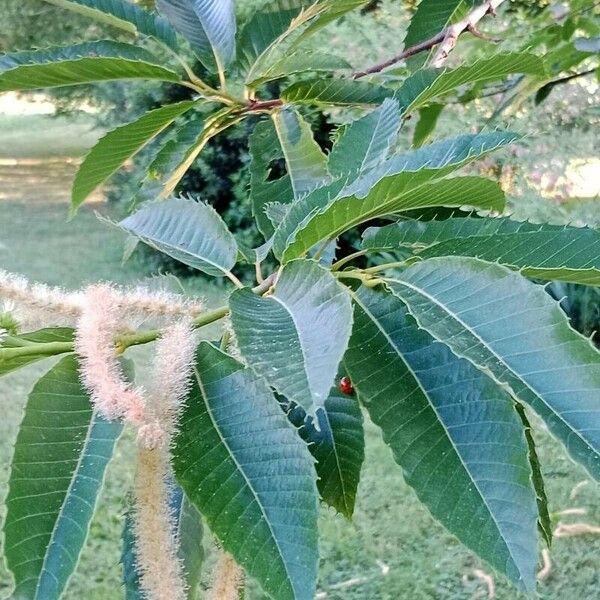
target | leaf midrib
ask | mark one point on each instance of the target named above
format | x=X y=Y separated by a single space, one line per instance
x=441 y=422
x=488 y=371
x=240 y=470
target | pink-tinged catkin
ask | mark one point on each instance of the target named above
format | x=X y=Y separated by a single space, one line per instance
x=159 y=568
x=171 y=368
x=37 y=304
x=101 y=374
x=228 y=578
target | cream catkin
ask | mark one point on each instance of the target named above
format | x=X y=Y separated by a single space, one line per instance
x=160 y=570
x=171 y=368
x=227 y=579
x=101 y=374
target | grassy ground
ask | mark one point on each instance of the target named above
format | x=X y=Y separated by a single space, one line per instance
x=392 y=550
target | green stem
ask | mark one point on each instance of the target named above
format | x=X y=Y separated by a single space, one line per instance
x=392 y=265
x=124 y=341
x=336 y=266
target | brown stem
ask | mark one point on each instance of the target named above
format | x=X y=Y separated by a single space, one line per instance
x=261 y=105
x=446 y=38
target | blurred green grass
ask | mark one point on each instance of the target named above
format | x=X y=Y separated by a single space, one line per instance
x=392 y=550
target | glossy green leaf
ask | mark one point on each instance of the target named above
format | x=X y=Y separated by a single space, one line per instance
x=295 y=338
x=187 y=530
x=124 y=15
x=119 y=145
x=167 y=159
x=422 y=234
x=514 y=331
x=58 y=467
x=43 y=336
x=340 y=92
x=188 y=231
x=544 y=520
x=305 y=162
x=366 y=142
x=424 y=85
x=431 y=17
x=300 y=62
x=243 y=466
x=402 y=182
x=266 y=23
x=81 y=63
x=542 y=251
x=453 y=431
x=209 y=26
x=338 y=446
x=428 y=118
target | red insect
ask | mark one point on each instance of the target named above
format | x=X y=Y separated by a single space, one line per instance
x=345 y=386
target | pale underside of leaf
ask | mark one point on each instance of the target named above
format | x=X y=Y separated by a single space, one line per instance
x=402 y=182
x=188 y=231
x=296 y=337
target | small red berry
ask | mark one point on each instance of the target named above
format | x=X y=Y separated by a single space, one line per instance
x=346 y=386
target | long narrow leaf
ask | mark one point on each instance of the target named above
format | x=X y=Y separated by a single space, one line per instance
x=78 y=64
x=453 y=431
x=125 y=15
x=243 y=466
x=512 y=329
x=58 y=466
x=119 y=145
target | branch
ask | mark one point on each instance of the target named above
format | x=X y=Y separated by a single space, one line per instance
x=447 y=38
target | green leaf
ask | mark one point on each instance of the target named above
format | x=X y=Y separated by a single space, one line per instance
x=428 y=118
x=544 y=521
x=81 y=63
x=208 y=25
x=305 y=161
x=300 y=62
x=124 y=15
x=58 y=467
x=287 y=137
x=242 y=465
x=188 y=231
x=512 y=329
x=431 y=17
x=363 y=144
x=402 y=182
x=341 y=92
x=131 y=579
x=426 y=84
x=119 y=145
x=295 y=338
x=188 y=531
x=338 y=446
x=167 y=159
x=422 y=234
x=548 y=252
x=453 y=431
x=42 y=336
x=266 y=23
x=265 y=152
